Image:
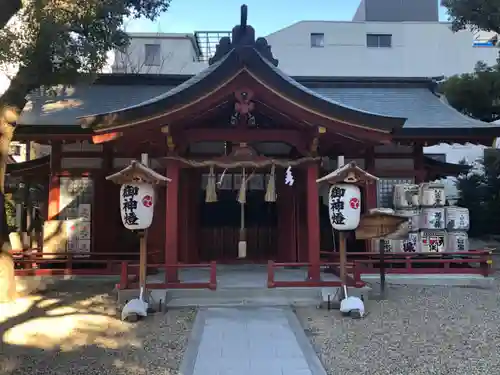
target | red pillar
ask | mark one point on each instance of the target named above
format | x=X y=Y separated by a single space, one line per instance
x=313 y=230
x=172 y=219
x=54 y=181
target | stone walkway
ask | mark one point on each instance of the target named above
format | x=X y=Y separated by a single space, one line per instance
x=248 y=341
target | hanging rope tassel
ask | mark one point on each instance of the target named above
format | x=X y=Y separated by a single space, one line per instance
x=210 y=192
x=271 y=186
x=242 y=194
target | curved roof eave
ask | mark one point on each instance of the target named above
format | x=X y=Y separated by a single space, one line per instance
x=217 y=74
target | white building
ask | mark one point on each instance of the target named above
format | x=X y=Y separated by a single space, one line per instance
x=159 y=53
x=386 y=38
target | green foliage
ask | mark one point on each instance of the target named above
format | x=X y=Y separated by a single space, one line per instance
x=474 y=14
x=56 y=41
x=480 y=193
x=10 y=210
x=475 y=94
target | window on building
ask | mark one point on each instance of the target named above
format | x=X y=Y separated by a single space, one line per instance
x=152 y=54
x=385 y=187
x=379 y=40
x=317 y=40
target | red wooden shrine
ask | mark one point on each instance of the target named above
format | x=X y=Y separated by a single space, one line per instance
x=242 y=112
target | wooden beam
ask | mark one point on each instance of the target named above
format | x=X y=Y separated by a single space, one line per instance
x=291 y=137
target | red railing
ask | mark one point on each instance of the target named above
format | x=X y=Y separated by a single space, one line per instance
x=132 y=270
x=35 y=263
x=466 y=263
x=354 y=280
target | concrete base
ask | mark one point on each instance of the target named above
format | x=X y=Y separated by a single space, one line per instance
x=434 y=280
x=228 y=297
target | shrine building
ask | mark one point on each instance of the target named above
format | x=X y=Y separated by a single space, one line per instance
x=241 y=118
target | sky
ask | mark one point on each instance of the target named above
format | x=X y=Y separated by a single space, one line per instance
x=266 y=16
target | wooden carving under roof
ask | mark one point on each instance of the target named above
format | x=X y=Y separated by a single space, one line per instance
x=137 y=173
x=349 y=173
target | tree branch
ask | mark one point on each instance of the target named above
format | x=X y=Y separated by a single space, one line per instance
x=8 y=9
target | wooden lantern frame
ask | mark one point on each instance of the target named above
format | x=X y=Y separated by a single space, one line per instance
x=139 y=173
x=349 y=173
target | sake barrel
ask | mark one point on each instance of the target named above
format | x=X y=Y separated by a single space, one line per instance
x=405 y=196
x=412 y=244
x=457 y=218
x=432 y=241
x=413 y=215
x=432 y=195
x=432 y=218
x=390 y=246
x=457 y=242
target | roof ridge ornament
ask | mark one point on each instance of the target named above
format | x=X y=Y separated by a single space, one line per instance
x=243 y=36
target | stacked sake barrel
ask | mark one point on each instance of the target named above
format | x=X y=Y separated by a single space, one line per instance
x=432 y=236
x=433 y=227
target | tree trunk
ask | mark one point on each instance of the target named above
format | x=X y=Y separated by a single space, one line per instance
x=7 y=277
x=9 y=8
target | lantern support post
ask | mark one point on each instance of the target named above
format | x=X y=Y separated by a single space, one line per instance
x=382 y=267
x=345 y=205
x=137 y=199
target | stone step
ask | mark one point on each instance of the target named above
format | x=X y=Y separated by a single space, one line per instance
x=244 y=301
x=245 y=292
x=243 y=297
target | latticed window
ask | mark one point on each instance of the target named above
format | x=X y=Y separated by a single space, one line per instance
x=385 y=187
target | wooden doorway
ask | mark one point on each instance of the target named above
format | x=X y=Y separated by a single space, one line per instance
x=220 y=225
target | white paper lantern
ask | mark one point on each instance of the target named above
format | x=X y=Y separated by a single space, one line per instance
x=137 y=205
x=344 y=206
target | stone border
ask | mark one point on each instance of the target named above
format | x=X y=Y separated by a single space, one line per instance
x=191 y=353
x=315 y=365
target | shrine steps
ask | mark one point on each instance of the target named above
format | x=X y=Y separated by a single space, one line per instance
x=244 y=296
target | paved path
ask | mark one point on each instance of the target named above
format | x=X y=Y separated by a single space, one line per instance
x=248 y=341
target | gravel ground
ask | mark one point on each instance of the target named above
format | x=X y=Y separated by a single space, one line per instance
x=77 y=330
x=417 y=330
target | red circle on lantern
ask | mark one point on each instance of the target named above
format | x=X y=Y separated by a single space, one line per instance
x=147 y=201
x=354 y=203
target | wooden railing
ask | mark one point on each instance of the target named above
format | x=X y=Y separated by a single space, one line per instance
x=354 y=280
x=458 y=263
x=130 y=272
x=476 y=262
x=35 y=263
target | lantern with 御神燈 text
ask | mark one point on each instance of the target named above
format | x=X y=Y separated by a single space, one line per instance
x=137 y=205
x=137 y=194
x=344 y=206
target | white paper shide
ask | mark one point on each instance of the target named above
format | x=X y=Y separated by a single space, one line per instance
x=344 y=205
x=137 y=205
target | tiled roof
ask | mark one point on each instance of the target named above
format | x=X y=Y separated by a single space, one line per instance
x=419 y=105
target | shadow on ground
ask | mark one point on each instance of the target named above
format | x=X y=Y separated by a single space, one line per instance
x=75 y=329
